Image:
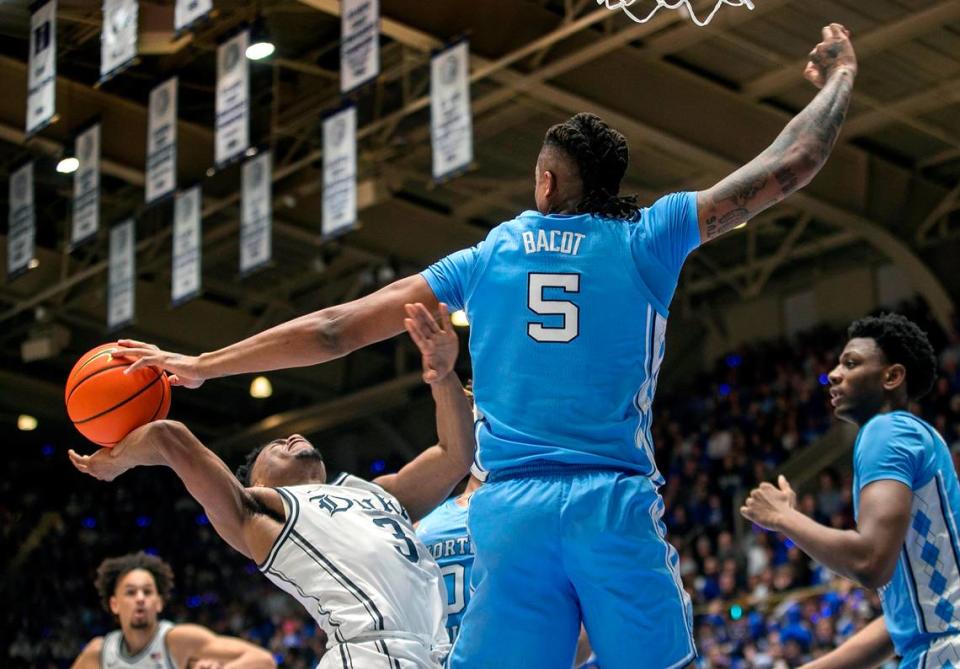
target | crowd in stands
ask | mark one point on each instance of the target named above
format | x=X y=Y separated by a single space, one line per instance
x=760 y=603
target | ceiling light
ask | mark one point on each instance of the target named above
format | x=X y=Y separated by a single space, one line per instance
x=261 y=388
x=261 y=46
x=68 y=165
x=33 y=264
x=459 y=318
x=26 y=423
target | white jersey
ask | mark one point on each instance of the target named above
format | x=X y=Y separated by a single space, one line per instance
x=155 y=655
x=349 y=554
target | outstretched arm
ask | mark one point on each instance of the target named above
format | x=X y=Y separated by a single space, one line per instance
x=867 y=555
x=249 y=519
x=430 y=477
x=868 y=648
x=308 y=340
x=196 y=646
x=798 y=153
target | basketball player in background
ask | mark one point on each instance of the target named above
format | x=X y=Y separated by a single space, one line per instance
x=568 y=308
x=905 y=499
x=345 y=549
x=134 y=588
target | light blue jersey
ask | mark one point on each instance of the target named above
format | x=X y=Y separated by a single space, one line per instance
x=921 y=603
x=444 y=533
x=568 y=322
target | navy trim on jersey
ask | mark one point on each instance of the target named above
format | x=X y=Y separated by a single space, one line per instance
x=293 y=513
x=914 y=590
x=392 y=663
x=944 y=512
x=337 y=634
x=343 y=657
x=340 y=577
x=339 y=480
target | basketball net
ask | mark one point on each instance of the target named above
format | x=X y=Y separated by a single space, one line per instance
x=673 y=4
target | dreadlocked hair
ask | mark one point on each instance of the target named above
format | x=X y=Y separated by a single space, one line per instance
x=602 y=155
x=112 y=570
x=902 y=342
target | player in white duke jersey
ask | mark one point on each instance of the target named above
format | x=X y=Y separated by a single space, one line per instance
x=906 y=499
x=134 y=589
x=346 y=549
x=568 y=307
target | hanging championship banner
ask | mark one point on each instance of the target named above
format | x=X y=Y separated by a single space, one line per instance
x=233 y=104
x=340 y=171
x=256 y=212
x=359 y=42
x=118 y=41
x=161 y=176
x=451 y=124
x=22 y=228
x=186 y=12
x=185 y=278
x=42 y=67
x=122 y=274
x=86 y=186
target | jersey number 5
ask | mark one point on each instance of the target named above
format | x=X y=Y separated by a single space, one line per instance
x=568 y=331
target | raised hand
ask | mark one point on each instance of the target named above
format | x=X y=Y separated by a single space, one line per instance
x=438 y=342
x=767 y=503
x=833 y=53
x=183 y=370
x=136 y=449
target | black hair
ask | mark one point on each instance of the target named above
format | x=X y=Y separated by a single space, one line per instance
x=601 y=155
x=904 y=343
x=112 y=570
x=243 y=471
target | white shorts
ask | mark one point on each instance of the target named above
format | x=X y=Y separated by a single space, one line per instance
x=380 y=654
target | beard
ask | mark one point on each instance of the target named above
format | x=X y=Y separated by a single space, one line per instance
x=141 y=624
x=312 y=455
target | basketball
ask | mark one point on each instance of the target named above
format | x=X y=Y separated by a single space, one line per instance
x=105 y=404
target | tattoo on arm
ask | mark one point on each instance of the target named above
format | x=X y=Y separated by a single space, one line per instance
x=792 y=160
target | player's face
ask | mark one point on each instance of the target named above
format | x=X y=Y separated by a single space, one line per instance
x=136 y=601
x=288 y=461
x=856 y=383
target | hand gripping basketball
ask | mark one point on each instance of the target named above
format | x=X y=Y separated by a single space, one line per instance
x=833 y=53
x=183 y=370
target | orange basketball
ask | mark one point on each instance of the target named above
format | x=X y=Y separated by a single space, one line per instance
x=105 y=404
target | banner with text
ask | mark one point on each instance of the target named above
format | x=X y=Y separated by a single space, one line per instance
x=118 y=39
x=233 y=99
x=340 y=171
x=86 y=186
x=161 y=176
x=451 y=123
x=186 y=12
x=21 y=232
x=256 y=245
x=359 y=42
x=121 y=271
x=42 y=67
x=185 y=281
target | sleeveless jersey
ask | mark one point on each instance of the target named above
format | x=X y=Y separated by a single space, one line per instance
x=349 y=554
x=921 y=603
x=444 y=531
x=113 y=654
x=572 y=312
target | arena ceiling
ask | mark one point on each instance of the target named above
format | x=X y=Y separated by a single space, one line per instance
x=694 y=103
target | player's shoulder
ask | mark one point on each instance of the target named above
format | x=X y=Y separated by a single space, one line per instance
x=90 y=655
x=886 y=426
x=186 y=633
x=350 y=481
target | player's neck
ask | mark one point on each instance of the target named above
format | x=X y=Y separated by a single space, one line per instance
x=135 y=639
x=890 y=405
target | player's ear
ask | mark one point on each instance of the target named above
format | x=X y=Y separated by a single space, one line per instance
x=160 y=603
x=114 y=605
x=894 y=376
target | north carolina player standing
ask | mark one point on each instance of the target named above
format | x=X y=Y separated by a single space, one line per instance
x=568 y=307
x=905 y=497
x=345 y=549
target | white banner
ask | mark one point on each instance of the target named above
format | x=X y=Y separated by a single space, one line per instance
x=451 y=122
x=233 y=104
x=42 y=67
x=188 y=11
x=118 y=40
x=256 y=245
x=21 y=219
x=161 y=173
x=185 y=278
x=340 y=171
x=121 y=286
x=359 y=42
x=86 y=186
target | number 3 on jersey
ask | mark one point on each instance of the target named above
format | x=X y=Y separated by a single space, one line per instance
x=538 y=304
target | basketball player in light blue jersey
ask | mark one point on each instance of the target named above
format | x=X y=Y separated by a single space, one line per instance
x=444 y=533
x=568 y=307
x=906 y=499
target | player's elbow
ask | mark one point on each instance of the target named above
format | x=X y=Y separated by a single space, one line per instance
x=326 y=330
x=801 y=164
x=875 y=571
